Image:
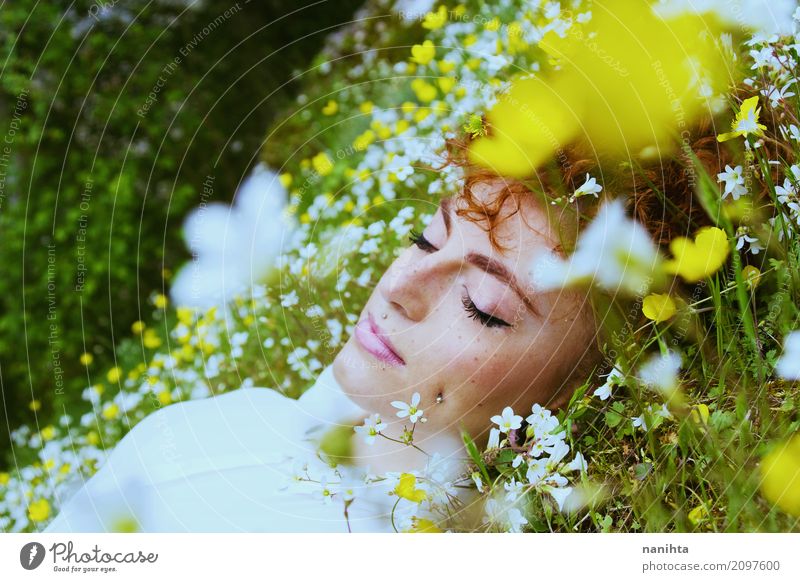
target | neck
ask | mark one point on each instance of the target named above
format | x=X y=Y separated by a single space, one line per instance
x=388 y=454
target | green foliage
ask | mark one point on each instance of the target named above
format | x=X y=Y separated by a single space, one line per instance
x=118 y=116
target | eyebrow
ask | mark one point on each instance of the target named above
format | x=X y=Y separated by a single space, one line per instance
x=492 y=266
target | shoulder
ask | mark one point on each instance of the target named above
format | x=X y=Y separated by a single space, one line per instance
x=244 y=426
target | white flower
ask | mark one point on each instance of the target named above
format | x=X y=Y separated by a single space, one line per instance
x=513 y=489
x=537 y=469
x=508 y=420
x=639 y=422
x=409 y=410
x=494 y=439
x=613 y=252
x=476 y=478
x=517 y=461
x=734 y=182
x=509 y=517
x=754 y=244
x=589 y=187
x=612 y=379
x=233 y=247
x=372 y=426
x=560 y=494
x=661 y=372
x=577 y=464
x=290 y=299
x=325 y=491
x=557 y=451
x=539 y=414
x=788 y=365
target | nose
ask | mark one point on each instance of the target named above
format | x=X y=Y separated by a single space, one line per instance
x=414 y=285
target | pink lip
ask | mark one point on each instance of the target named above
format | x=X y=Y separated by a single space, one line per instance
x=374 y=341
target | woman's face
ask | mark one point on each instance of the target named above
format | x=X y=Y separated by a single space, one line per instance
x=465 y=321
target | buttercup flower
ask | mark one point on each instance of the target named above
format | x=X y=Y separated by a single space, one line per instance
x=658 y=307
x=407 y=489
x=424 y=53
x=746 y=121
x=780 y=475
x=698 y=259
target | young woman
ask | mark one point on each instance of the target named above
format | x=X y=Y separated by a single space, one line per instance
x=456 y=318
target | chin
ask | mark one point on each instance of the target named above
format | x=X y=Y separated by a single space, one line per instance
x=359 y=376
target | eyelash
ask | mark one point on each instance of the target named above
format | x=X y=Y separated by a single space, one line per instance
x=487 y=320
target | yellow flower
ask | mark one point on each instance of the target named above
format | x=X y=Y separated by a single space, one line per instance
x=48 y=433
x=698 y=514
x=699 y=414
x=114 y=374
x=746 y=121
x=39 y=510
x=751 y=276
x=330 y=108
x=493 y=25
x=406 y=489
x=150 y=339
x=422 y=525
x=434 y=20
x=286 y=179
x=526 y=123
x=111 y=411
x=322 y=164
x=446 y=83
x=446 y=66
x=425 y=91
x=164 y=397
x=635 y=52
x=658 y=307
x=4 y=478
x=160 y=301
x=696 y=260
x=363 y=140
x=423 y=53
x=86 y=359
x=137 y=327
x=366 y=107
x=35 y=405
x=780 y=476
x=93 y=438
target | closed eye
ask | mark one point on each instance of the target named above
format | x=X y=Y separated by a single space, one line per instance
x=422 y=243
x=469 y=306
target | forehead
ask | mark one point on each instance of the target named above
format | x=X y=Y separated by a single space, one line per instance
x=523 y=224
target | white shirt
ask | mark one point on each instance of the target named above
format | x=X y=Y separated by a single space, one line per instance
x=222 y=464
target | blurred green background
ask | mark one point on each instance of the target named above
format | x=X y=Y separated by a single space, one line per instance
x=114 y=116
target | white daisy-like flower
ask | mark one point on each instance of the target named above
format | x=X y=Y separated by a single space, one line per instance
x=734 y=182
x=507 y=421
x=589 y=188
x=409 y=410
x=372 y=427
